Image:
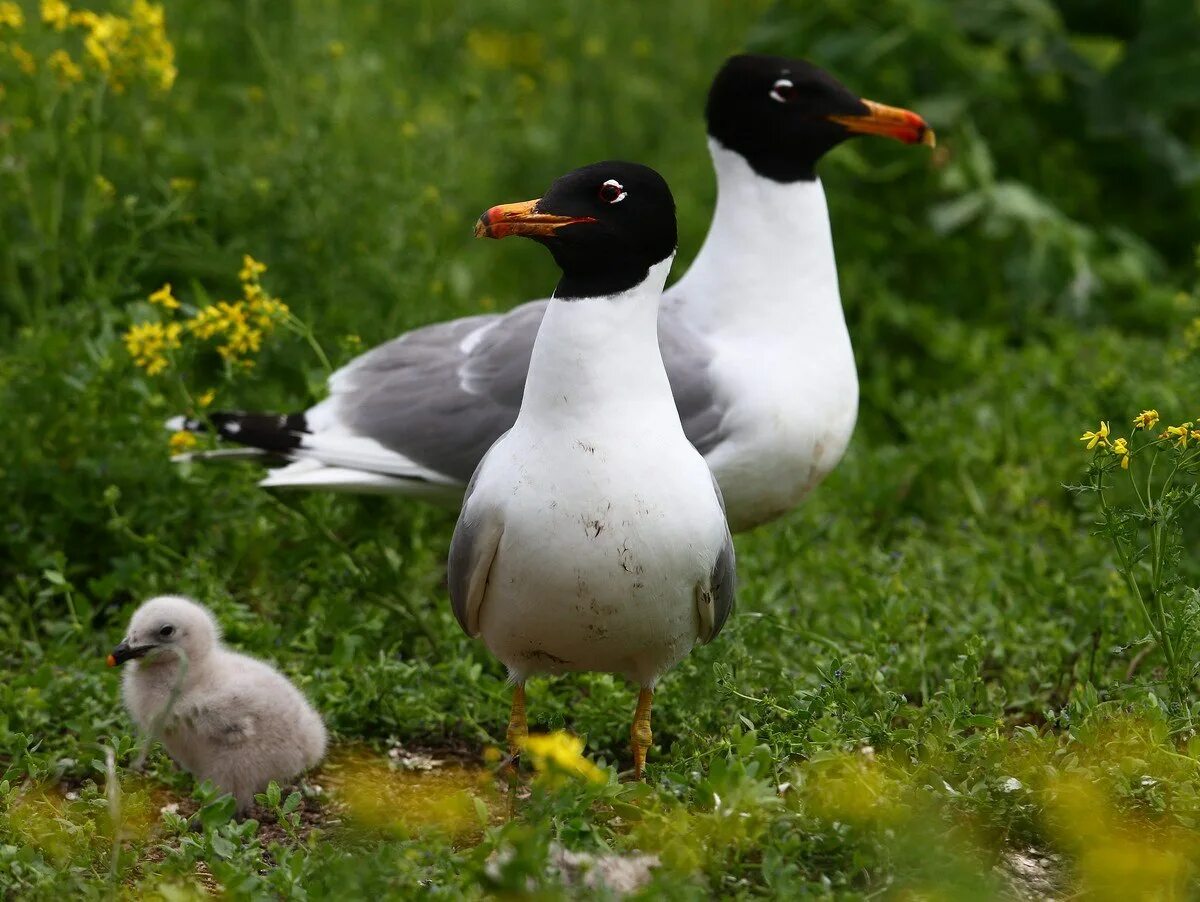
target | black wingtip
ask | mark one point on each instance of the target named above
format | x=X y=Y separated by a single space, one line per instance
x=275 y=432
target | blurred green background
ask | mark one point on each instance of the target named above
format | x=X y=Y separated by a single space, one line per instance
x=1032 y=275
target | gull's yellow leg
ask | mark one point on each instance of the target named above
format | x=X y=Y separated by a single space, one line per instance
x=640 y=736
x=518 y=728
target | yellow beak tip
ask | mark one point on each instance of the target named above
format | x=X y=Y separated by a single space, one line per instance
x=929 y=139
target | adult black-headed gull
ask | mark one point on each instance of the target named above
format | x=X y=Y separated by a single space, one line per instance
x=592 y=535
x=753 y=336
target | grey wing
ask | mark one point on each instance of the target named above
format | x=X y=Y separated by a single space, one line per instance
x=472 y=551
x=687 y=357
x=717 y=599
x=440 y=396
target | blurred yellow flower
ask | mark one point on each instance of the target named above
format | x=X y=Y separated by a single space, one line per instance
x=1121 y=449
x=1179 y=434
x=56 y=14
x=503 y=50
x=23 y=58
x=1146 y=419
x=125 y=49
x=337 y=49
x=65 y=68
x=251 y=269
x=181 y=441
x=1099 y=437
x=206 y=398
x=104 y=186
x=182 y=185
x=228 y=321
x=164 y=297
x=149 y=343
x=11 y=15
x=563 y=753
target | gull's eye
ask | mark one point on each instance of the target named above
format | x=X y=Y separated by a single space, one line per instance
x=783 y=91
x=167 y=631
x=612 y=192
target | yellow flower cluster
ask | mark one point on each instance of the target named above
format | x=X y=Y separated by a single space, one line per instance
x=56 y=14
x=1146 y=419
x=128 y=48
x=23 y=58
x=238 y=327
x=1121 y=448
x=1179 y=435
x=241 y=324
x=11 y=16
x=182 y=441
x=164 y=297
x=65 y=68
x=560 y=752
x=150 y=343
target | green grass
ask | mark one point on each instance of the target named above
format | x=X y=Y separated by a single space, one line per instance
x=934 y=667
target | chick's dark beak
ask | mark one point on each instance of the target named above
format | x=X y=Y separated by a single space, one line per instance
x=524 y=218
x=126 y=652
x=891 y=122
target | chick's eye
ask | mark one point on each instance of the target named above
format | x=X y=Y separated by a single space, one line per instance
x=783 y=91
x=166 y=631
x=612 y=192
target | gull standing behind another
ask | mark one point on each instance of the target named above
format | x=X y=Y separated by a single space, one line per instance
x=753 y=336
x=592 y=535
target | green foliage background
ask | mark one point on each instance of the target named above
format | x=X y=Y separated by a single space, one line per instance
x=938 y=600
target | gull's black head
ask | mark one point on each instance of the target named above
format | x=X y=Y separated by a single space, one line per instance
x=606 y=224
x=784 y=114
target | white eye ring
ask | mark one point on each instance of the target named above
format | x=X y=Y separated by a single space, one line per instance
x=613 y=183
x=782 y=83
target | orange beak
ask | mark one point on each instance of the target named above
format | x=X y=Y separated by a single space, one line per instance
x=111 y=660
x=503 y=220
x=891 y=122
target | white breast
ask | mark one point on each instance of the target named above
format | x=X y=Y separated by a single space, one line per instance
x=610 y=519
x=764 y=289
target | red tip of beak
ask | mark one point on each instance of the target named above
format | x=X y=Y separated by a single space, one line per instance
x=111 y=661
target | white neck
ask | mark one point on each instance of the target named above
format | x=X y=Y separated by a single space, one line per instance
x=767 y=265
x=598 y=358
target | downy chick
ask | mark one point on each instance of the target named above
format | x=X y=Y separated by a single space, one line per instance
x=236 y=721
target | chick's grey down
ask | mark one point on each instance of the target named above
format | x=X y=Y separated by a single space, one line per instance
x=236 y=721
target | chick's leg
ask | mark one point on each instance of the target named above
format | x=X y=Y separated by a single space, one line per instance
x=640 y=736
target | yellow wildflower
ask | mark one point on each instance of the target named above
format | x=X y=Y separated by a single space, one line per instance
x=1099 y=437
x=56 y=14
x=65 y=68
x=23 y=58
x=204 y=399
x=1120 y=448
x=251 y=269
x=125 y=49
x=104 y=186
x=182 y=441
x=11 y=15
x=163 y=296
x=149 y=343
x=1179 y=434
x=182 y=185
x=1146 y=419
x=563 y=753
x=230 y=322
